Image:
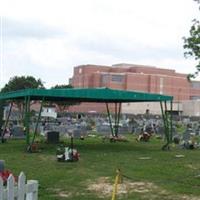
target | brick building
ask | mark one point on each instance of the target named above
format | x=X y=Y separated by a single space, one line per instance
x=135 y=77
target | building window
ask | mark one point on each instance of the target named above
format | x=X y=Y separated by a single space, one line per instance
x=105 y=78
x=195 y=85
x=117 y=78
x=195 y=97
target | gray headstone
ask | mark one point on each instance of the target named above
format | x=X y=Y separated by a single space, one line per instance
x=17 y=132
x=187 y=134
x=52 y=137
x=77 y=133
x=160 y=130
x=103 y=129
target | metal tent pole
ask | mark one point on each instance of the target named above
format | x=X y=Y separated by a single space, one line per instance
x=23 y=111
x=27 y=119
x=6 y=123
x=118 y=118
x=167 y=121
x=72 y=147
x=38 y=119
x=115 y=128
x=108 y=112
x=165 y=127
x=171 y=124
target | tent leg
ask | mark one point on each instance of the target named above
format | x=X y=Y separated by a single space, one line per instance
x=167 y=123
x=115 y=128
x=6 y=123
x=23 y=112
x=171 y=125
x=118 y=118
x=166 y=146
x=72 y=147
x=38 y=119
x=108 y=112
x=27 y=119
x=163 y=116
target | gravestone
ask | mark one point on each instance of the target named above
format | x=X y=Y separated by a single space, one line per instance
x=52 y=137
x=187 y=135
x=161 y=130
x=17 y=132
x=103 y=129
x=138 y=130
x=76 y=133
x=176 y=139
x=123 y=129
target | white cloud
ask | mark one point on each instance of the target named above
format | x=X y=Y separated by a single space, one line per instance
x=48 y=38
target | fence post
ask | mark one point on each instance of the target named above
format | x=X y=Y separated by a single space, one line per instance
x=33 y=184
x=1 y=189
x=22 y=191
x=10 y=187
x=21 y=186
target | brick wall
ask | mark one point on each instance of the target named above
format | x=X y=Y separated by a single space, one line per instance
x=135 y=77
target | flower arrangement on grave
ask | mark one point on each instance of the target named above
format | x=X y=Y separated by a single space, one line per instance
x=5 y=174
x=67 y=154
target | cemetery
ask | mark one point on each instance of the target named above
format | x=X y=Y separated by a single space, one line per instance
x=157 y=156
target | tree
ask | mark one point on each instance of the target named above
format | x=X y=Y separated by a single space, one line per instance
x=62 y=86
x=192 y=44
x=19 y=83
x=62 y=105
x=22 y=82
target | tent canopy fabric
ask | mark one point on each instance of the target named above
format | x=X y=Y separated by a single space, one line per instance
x=104 y=95
x=85 y=95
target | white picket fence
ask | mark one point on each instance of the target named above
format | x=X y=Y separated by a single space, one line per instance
x=19 y=191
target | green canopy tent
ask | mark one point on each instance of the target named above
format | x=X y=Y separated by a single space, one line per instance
x=103 y=95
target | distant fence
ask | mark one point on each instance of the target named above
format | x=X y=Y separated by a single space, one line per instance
x=19 y=191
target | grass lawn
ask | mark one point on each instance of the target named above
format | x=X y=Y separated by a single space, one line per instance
x=151 y=173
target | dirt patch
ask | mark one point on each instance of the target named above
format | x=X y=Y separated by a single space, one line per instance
x=103 y=187
x=167 y=196
x=188 y=197
x=59 y=192
x=64 y=194
x=192 y=167
x=47 y=157
x=54 y=190
x=141 y=187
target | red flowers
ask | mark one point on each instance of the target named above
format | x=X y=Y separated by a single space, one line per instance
x=5 y=174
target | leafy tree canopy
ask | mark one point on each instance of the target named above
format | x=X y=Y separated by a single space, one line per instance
x=22 y=82
x=62 y=86
x=62 y=105
x=192 y=44
x=19 y=83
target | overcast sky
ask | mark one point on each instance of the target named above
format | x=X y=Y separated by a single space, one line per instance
x=47 y=38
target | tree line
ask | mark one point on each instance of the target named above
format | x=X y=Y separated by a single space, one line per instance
x=192 y=44
x=29 y=82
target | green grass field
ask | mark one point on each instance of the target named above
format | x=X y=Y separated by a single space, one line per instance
x=151 y=173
